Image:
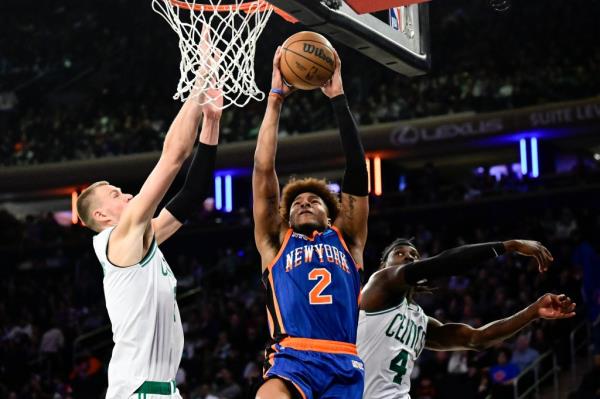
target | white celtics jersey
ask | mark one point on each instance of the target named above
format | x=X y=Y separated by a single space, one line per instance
x=145 y=320
x=389 y=343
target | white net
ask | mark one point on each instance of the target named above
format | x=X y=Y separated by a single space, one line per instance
x=217 y=43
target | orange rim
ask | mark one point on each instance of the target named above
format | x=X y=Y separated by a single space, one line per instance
x=249 y=7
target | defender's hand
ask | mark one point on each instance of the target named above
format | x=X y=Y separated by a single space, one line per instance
x=534 y=249
x=334 y=86
x=277 y=79
x=551 y=306
x=213 y=108
x=205 y=85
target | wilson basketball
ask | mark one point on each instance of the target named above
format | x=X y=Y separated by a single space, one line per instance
x=307 y=60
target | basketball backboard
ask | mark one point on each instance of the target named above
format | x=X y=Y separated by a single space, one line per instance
x=397 y=37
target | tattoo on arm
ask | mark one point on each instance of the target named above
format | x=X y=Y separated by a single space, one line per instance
x=350 y=210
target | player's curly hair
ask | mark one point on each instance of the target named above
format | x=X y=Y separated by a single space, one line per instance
x=319 y=187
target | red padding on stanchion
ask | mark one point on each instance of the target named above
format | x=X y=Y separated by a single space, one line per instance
x=368 y=6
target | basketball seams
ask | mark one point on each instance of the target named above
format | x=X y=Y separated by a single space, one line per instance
x=287 y=48
x=294 y=72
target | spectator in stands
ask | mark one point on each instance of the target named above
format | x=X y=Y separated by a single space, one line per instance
x=523 y=356
x=426 y=389
x=229 y=388
x=566 y=225
x=51 y=346
x=502 y=373
x=203 y=392
x=539 y=341
x=86 y=377
x=80 y=92
x=586 y=257
x=42 y=295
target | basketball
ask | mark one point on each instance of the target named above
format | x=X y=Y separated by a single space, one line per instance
x=307 y=60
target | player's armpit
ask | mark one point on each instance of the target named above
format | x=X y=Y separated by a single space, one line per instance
x=127 y=245
x=381 y=292
x=164 y=226
x=268 y=224
x=352 y=221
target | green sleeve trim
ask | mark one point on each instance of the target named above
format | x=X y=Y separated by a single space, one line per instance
x=142 y=263
x=150 y=254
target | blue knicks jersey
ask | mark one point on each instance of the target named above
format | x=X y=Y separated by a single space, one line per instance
x=313 y=288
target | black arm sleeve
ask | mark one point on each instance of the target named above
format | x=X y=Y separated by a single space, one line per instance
x=355 y=176
x=452 y=262
x=196 y=185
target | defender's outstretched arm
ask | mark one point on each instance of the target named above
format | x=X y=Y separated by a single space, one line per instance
x=127 y=240
x=199 y=174
x=457 y=336
x=391 y=283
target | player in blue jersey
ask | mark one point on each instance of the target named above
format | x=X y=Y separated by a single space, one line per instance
x=311 y=247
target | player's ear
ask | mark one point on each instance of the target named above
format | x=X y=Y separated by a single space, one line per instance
x=99 y=215
x=329 y=222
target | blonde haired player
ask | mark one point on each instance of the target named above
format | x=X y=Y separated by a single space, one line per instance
x=139 y=285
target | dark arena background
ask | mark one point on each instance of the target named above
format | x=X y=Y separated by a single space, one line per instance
x=500 y=140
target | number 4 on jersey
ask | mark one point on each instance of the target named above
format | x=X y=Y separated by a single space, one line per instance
x=398 y=364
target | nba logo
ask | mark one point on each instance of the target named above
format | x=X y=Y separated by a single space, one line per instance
x=400 y=20
x=396 y=18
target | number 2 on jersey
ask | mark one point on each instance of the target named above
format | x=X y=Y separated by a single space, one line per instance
x=315 y=296
x=398 y=364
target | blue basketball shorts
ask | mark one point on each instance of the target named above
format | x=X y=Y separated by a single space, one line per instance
x=317 y=375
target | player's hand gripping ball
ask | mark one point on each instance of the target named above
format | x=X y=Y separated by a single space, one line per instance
x=307 y=60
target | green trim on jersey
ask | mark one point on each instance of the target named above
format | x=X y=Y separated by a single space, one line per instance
x=142 y=263
x=156 y=388
x=414 y=304
x=150 y=254
x=386 y=310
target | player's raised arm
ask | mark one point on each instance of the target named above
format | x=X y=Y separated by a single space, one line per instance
x=131 y=237
x=199 y=174
x=457 y=336
x=393 y=281
x=265 y=186
x=126 y=240
x=352 y=219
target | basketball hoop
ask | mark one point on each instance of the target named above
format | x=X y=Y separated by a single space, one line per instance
x=223 y=53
